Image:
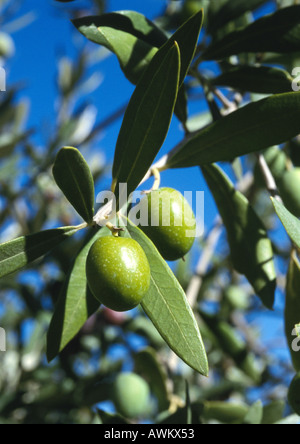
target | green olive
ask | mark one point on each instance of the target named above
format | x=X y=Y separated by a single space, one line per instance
x=118 y=272
x=294 y=394
x=171 y=223
x=289 y=188
x=131 y=395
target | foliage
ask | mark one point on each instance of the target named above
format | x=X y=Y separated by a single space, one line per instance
x=197 y=351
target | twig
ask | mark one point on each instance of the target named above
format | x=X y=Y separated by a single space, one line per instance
x=268 y=177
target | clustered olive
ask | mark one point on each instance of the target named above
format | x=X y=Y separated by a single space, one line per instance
x=117 y=268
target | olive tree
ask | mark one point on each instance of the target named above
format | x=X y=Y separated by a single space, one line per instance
x=201 y=360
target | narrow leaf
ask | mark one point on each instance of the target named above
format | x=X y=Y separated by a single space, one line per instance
x=147 y=120
x=278 y=32
x=254 y=127
x=135 y=40
x=75 y=304
x=250 y=248
x=231 y=10
x=167 y=307
x=290 y=222
x=20 y=252
x=292 y=309
x=261 y=79
x=74 y=178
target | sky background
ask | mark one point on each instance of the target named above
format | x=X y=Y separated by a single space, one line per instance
x=51 y=35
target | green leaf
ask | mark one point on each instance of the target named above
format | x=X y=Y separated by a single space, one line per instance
x=75 y=304
x=261 y=79
x=231 y=10
x=250 y=248
x=135 y=40
x=225 y=412
x=273 y=412
x=18 y=253
x=111 y=418
x=292 y=308
x=254 y=127
x=167 y=307
x=278 y=32
x=147 y=363
x=147 y=120
x=255 y=414
x=290 y=222
x=120 y=34
x=74 y=178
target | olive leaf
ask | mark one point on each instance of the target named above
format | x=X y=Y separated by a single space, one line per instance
x=257 y=79
x=75 y=303
x=73 y=176
x=250 y=248
x=146 y=121
x=16 y=254
x=229 y=11
x=254 y=127
x=292 y=308
x=278 y=32
x=290 y=222
x=135 y=40
x=167 y=307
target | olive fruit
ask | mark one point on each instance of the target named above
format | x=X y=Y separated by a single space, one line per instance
x=118 y=272
x=171 y=223
x=289 y=188
x=131 y=395
x=294 y=394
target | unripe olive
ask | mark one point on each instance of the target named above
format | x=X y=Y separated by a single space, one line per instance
x=131 y=395
x=171 y=222
x=118 y=272
x=294 y=394
x=289 y=188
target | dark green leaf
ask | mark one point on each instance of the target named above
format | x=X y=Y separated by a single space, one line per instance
x=167 y=307
x=231 y=10
x=111 y=418
x=290 y=222
x=135 y=40
x=261 y=79
x=117 y=32
x=278 y=32
x=147 y=363
x=273 y=412
x=250 y=248
x=292 y=309
x=254 y=127
x=20 y=252
x=75 y=304
x=147 y=120
x=74 y=178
